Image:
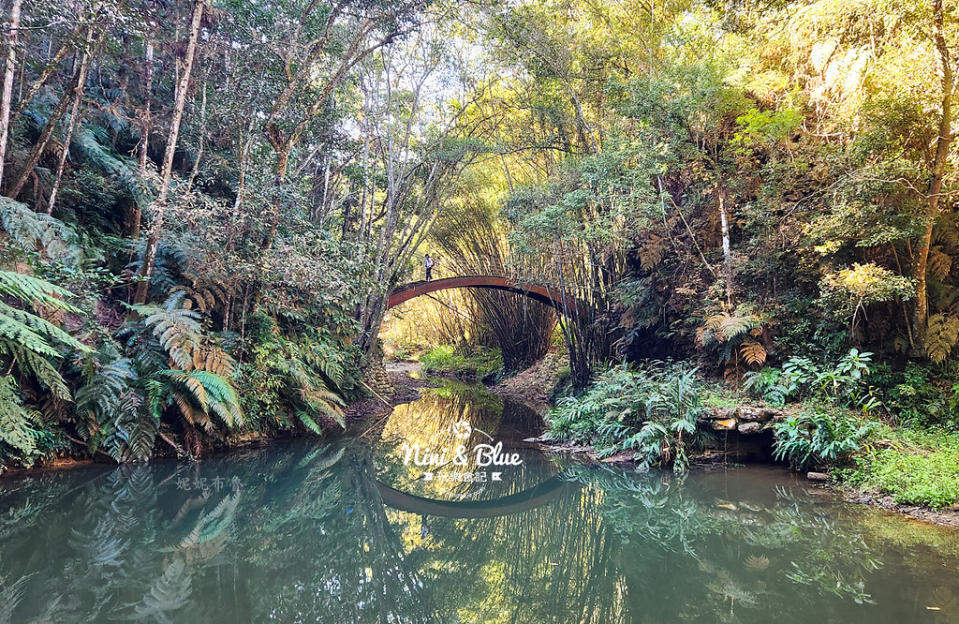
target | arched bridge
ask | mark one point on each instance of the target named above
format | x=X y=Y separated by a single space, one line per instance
x=528 y=499
x=551 y=296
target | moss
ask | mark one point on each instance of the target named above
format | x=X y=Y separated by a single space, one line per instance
x=476 y=362
x=914 y=467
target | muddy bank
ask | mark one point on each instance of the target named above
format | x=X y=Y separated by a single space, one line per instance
x=535 y=385
x=405 y=384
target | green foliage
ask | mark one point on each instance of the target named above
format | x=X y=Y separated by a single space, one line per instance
x=841 y=383
x=650 y=410
x=766 y=127
x=849 y=291
x=820 y=436
x=302 y=378
x=914 y=467
x=20 y=426
x=941 y=335
x=474 y=362
x=37 y=233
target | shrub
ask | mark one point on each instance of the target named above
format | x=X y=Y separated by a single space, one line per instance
x=651 y=410
x=819 y=436
x=842 y=383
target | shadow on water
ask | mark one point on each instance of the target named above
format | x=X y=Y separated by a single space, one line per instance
x=303 y=532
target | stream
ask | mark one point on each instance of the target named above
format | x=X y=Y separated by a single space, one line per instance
x=438 y=512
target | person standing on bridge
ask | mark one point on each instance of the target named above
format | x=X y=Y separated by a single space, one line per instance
x=429 y=268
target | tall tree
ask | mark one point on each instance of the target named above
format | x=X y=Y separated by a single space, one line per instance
x=937 y=169
x=166 y=173
x=8 y=72
x=74 y=117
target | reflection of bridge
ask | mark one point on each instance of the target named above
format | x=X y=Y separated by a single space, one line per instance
x=514 y=503
x=551 y=296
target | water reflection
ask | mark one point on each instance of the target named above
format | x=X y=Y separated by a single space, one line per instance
x=298 y=533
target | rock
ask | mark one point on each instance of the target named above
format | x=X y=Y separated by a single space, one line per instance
x=753 y=414
x=750 y=427
x=817 y=476
x=773 y=414
x=720 y=413
x=619 y=458
x=727 y=424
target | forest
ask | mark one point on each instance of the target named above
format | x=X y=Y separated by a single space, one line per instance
x=206 y=203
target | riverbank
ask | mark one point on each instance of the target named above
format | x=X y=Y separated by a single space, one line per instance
x=405 y=381
x=910 y=472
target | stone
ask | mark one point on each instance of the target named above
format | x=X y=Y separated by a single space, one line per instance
x=754 y=414
x=720 y=413
x=727 y=424
x=774 y=414
x=750 y=427
x=817 y=476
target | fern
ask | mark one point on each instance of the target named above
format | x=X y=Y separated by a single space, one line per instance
x=753 y=352
x=28 y=341
x=941 y=335
x=113 y=413
x=204 y=393
x=180 y=332
x=940 y=263
x=41 y=369
x=35 y=291
x=312 y=392
x=36 y=232
x=19 y=426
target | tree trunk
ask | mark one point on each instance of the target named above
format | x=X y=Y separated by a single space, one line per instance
x=727 y=249
x=156 y=227
x=48 y=70
x=943 y=143
x=37 y=152
x=199 y=154
x=74 y=115
x=136 y=216
x=8 y=72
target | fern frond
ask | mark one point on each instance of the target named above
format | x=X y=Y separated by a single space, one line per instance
x=31 y=362
x=941 y=335
x=308 y=423
x=37 y=232
x=33 y=329
x=731 y=327
x=210 y=393
x=939 y=263
x=18 y=425
x=35 y=291
x=753 y=352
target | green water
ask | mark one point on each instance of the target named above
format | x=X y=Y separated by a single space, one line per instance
x=346 y=532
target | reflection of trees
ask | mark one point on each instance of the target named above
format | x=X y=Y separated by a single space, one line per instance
x=301 y=534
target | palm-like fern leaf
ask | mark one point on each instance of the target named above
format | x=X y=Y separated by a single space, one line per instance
x=208 y=392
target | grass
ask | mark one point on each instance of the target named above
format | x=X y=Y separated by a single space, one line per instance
x=914 y=467
x=476 y=362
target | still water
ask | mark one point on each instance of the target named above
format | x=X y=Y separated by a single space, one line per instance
x=352 y=532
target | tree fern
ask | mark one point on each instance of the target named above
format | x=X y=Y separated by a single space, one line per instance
x=40 y=368
x=202 y=392
x=941 y=335
x=180 y=333
x=113 y=414
x=311 y=392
